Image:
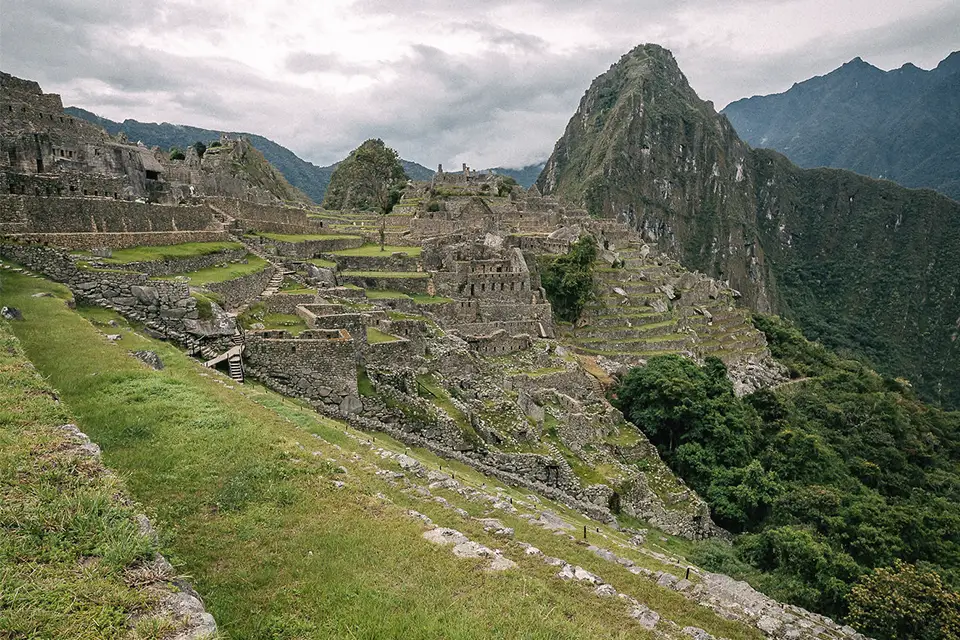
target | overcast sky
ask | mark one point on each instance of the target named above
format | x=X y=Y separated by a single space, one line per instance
x=488 y=82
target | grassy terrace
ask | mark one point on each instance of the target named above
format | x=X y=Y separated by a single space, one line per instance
x=375 y=336
x=370 y=250
x=168 y=252
x=240 y=483
x=228 y=271
x=283 y=237
x=419 y=298
x=68 y=544
x=419 y=275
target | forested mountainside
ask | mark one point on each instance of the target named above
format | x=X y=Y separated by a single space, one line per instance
x=830 y=480
x=862 y=265
x=306 y=176
x=902 y=124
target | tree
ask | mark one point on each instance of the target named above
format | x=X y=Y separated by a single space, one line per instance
x=370 y=179
x=905 y=601
x=200 y=148
x=176 y=153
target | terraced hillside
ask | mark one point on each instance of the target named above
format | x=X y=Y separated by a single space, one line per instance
x=648 y=305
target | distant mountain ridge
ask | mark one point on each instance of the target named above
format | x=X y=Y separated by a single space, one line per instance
x=304 y=175
x=902 y=125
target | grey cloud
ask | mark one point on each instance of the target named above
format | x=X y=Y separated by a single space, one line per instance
x=504 y=104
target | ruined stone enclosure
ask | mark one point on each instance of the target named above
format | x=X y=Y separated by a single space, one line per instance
x=444 y=337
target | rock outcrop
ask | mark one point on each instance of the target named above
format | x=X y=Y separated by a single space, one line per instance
x=859 y=263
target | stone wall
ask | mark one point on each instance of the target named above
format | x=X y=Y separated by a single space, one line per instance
x=320 y=366
x=388 y=354
x=79 y=241
x=499 y=343
x=100 y=215
x=388 y=283
x=180 y=265
x=267 y=218
x=308 y=248
x=379 y=262
x=243 y=289
x=288 y=303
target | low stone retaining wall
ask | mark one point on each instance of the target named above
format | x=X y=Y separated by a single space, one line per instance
x=77 y=241
x=385 y=261
x=181 y=265
x=307 y=249
x=165 y=304
x=320 y=366
x=243 y=289
x=288 y=303
x=404 y=285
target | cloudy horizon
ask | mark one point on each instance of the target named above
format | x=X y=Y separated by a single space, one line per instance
x=449 y=81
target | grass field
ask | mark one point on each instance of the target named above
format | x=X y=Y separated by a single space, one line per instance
x=240 y=483
x=228 y=271
x=168 y=252
x=370 y=250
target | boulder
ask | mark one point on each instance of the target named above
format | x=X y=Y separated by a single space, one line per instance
x=221 y=324
x=351 y=404
x=146 y=295
x=11 y=313
x=150 y=358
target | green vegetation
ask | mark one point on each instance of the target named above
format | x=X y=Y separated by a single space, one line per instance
x=306 y=237
x=417 y=275
x=234 y=473
x=375 y=336
x=70 y=548
x=825 y=479
x=176 y=153
x=421 y=298
x=228 y=271
x=374 y=294
x=371 y=178
x=370 y=250
x=205 y=301
x=166 y=252
x=568 y=279
x=905 y=602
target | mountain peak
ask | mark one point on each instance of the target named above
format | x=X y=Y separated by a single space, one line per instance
x=950 y=64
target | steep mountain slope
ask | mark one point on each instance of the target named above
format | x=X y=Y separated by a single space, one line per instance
x=903 y=124
x=860 y=264
x=306 y=176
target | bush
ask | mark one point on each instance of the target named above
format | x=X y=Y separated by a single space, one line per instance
x=176 y=153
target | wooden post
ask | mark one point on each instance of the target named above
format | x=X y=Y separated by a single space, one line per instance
x=584 y=532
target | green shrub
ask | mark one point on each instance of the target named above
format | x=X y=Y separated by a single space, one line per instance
x=568 y=279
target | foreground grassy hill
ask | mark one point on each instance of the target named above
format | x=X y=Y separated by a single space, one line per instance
x=76 y=560
x=294 y=526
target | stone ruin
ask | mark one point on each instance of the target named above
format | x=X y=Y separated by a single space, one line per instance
x=446 y=340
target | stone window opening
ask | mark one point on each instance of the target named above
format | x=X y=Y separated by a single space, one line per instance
x=152 y=175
